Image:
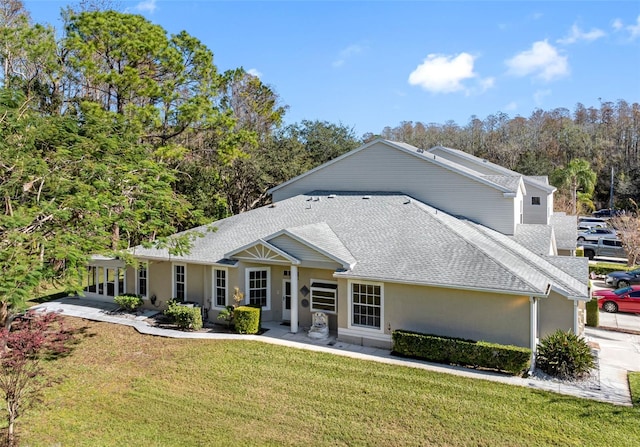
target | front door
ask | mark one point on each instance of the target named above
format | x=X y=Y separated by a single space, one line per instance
x=286 y=300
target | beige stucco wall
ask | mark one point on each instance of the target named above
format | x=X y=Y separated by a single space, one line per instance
x=160 y=282
x=484 y=316
x=237 y=278
x=555 y=312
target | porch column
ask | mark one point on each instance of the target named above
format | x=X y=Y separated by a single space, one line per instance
x=294 y=298
x=533 y=310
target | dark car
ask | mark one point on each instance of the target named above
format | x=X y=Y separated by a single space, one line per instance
x=607 y=212
x=623 y=279
x=594 y=233
x=626 y=299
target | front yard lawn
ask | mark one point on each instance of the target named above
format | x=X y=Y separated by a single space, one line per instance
x=123 y=388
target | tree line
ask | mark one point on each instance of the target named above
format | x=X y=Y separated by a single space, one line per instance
x=114 y=133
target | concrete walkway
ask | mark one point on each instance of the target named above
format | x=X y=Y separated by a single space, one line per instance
x=617 y=352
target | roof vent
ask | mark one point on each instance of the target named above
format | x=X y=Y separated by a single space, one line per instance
x=331 y=196
x=420 y=150
x=406 y=202
x=366 y=197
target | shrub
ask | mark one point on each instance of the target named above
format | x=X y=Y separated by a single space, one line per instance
x=184 y=316
x=247 y=319
x=458 y=351
x=227 y=313
x=592 y=312
x=128 y=301
x=565 y=355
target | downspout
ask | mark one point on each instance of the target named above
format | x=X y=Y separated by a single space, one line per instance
x=294 y=298
x=576 y=322
x=533 y=336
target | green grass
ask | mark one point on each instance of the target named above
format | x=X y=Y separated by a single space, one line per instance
x=634 y=384
x=121 y=388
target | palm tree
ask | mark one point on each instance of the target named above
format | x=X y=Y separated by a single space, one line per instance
x=577 y=175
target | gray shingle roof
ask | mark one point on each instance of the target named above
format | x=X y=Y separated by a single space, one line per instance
x=536 y=237
x=390 y=237
x=565 y=229
x=539 y=181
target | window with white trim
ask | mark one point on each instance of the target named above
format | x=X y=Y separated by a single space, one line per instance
x=142 y=280
x=366 y=302
x=219 y=287
x=258 y=287
x=324 y=296
x=180 y=282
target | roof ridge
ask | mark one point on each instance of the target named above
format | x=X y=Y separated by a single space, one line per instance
x=536 y=265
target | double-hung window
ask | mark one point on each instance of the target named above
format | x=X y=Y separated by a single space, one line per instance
x=142 y=283
x=366 y=301
x=180 y=282
x=219 y=288
x=258 y=286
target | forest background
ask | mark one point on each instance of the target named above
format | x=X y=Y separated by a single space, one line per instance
x=114 y=133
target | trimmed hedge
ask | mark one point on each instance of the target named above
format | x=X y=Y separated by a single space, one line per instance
x=592 y=312
x=604 y=268
x=247 y=319
x=457 y=351
x=184 y=316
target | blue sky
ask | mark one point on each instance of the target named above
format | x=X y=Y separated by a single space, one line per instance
x=369 y=65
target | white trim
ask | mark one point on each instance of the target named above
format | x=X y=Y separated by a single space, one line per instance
x=146 y=269
x=363 y=330
x=263 y=255
x=335 y=295
x=294 y=298
x=174 y=293
x=346 y=275
x=533 y=326
x=247 y=272
x=214 y=287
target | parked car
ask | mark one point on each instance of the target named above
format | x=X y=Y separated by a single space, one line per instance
x=588 y=222
x=623 y=278
x=625 y=299
x=607 y=212
x=592 y=234
x=604 y=248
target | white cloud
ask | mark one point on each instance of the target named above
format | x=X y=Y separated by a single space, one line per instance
x=443 y=74
x=254 y=72
x=539 y=95
x=542 y=61
x=346 y=54
x=146 y=6
x=634 y=29
x=617 y=24
x=511 y=107
x=577 y=34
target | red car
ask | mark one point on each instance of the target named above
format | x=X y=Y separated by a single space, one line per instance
x=626 y=299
